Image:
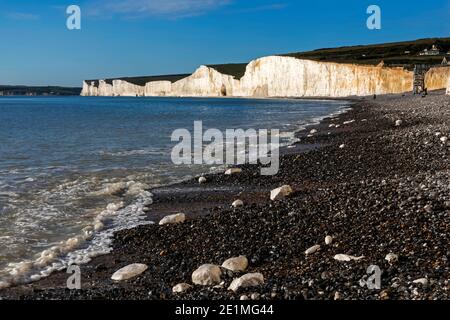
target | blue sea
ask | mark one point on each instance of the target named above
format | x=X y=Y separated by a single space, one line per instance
x=75 y=169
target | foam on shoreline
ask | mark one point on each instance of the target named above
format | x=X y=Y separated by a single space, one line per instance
x=94 y=240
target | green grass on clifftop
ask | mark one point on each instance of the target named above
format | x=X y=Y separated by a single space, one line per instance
x=404 y=54
x=237 y=70
x=141 y=81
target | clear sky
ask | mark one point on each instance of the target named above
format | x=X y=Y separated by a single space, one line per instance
x=147 y=37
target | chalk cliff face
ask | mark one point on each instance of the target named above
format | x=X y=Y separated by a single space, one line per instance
x=158 y=88
x=285 y=76
x=105 y=89
x=448 y=85
x=272 y=77
x=206 y=82
x=436 y=78
x=125 y=89
x=89 y=89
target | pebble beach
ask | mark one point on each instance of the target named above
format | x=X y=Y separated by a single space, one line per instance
x=369 y=187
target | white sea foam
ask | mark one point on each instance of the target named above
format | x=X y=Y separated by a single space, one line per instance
x=94 y=239
x=111 y=188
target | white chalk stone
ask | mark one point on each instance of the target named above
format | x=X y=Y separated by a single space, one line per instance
x=313 y=131
x=347 y=258
x=391 y=258
x=232 y=171
x=422 y=281
x=98 y=226
x=398 y=123
x=237 y=204
x=444 y=139
x=281 y=193
x=312 y=250
x=181 y=287
x=130 y=271
x=207 y=275
x=247 y=281
x=202 y=180
x=173 y=219
x=328 y=240
x=342 y=146
x=237 y=264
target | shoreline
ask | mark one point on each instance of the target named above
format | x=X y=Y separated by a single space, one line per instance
x=274 y=236
x=26 y=276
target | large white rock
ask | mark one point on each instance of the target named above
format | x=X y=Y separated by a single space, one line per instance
x=173 y=219
x=347 y=258
x=391 y=258
x=312 y=250
x=232 y=171
x=207 y=275
x=281 y=193
x=237 y=204
x=237 y=264
x=328 y=240
x=130 y=271
x=246 y=281
x=202 y=180
x=181 y=287
x=422 y=281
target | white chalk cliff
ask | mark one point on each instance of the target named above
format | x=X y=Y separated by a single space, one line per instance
x=448 y=86
x=436 y=78
x=274 y=76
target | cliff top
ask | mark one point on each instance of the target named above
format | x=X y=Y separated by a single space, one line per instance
x=397 y=54
x=403 y=54
x=141 y=81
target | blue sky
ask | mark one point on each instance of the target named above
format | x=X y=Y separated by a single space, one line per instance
x=146 y=37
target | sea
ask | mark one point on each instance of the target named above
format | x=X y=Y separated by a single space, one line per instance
x=73 y=170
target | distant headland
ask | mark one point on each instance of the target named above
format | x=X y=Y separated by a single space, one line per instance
x=38 y=91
